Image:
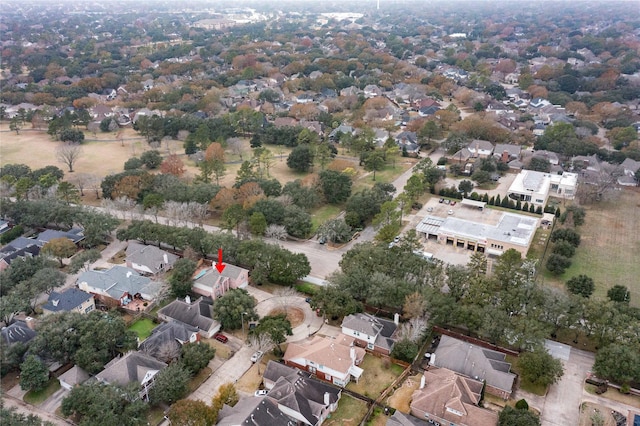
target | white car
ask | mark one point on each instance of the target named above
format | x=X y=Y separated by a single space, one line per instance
x=450 y=212
x=262 y=392
x=256 y=356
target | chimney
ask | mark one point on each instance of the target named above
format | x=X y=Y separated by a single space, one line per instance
x=31 y=323
x=165 y=258
x=396 y=319
x=129 y=274
x=352 y=353
x=55 y=302
x=327 y=398
x=422 y=381
x=187 y=299
x=505 y=156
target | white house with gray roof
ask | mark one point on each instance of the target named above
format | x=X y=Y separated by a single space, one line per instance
x=371 y=332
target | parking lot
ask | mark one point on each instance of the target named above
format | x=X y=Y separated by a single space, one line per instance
x=448 y=253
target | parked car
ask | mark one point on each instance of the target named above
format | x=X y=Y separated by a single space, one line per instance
x=429 y=209
x=396 y=239
x=221 y=337
x=256 y=356
x=441 y=200
x=450 y=212
x=447 y=201
x=261 y=392
x=322 y=240
x=453 y=203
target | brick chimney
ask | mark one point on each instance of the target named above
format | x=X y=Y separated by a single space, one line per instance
x=31 y=322
x=505 y=156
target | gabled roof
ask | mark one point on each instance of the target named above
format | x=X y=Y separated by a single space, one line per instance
x=325 y=351
x=165 y=334
x=120 y=280
x=480 y=144
x=512 y=150
x=198 y=314
x=254 y=411
x=74 y=376
x=475 y=362
x=132 y=367
x=67 y=300
x=50 y=234
x=10 y=253
x=20 y=243
x=150 y=256
x=17 y=332
x=453 y=398
x=211 y=275
x=298 y=392
x=371 y=325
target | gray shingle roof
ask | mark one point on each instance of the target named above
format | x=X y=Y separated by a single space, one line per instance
x=256 y=411
x=17 y=332
x=372 y=326
x=475 y=362
x=166 y=333
x=150 y=256
x=132 y=367
x=67 y=300
x=120 y=280
x=198 y=314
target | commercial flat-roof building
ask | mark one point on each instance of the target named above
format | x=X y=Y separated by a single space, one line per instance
x=535 y=187
x=512 y=230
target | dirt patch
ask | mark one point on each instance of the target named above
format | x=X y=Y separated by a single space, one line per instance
x=294 y=315
x=401 y=398
x=588 y=411
x=10 y=380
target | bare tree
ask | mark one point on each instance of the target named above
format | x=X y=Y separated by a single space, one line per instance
x=285 y=294
x=94 y=184
x=198 y=211
x=595 y=186
x=81 y=180
x=413 y=329
x=168 y=351
x=277 y=232
x=236 y=146
x=261 y=342
x=69 y=154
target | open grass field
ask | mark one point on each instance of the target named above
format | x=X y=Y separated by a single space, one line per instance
x=609 y=248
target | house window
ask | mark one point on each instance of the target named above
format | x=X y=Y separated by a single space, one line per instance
x=370 y=346
x=89 y=309
x=312 y=370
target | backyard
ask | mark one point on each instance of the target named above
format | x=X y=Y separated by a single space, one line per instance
x=379 y=374
x=350 y=412
x=143 y=328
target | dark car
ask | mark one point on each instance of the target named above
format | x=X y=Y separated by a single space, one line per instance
x=221 y=337
x=441 y=200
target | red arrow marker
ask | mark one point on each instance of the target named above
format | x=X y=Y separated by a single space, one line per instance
x=220 y=266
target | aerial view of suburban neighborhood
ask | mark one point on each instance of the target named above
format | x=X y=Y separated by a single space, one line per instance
x=338 y=213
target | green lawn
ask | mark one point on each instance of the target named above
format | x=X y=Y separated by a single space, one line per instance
x=143 y=328
x=36 y=398
x=350 y=412
x=378 y=375
x=307 y=288
x=323 y=214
